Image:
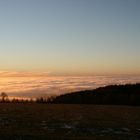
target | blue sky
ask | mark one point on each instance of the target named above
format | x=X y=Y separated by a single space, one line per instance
x=70 y=36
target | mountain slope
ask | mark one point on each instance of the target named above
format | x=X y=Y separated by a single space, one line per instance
x=110 y=95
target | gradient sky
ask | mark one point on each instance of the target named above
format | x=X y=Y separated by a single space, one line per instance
x=72 y=37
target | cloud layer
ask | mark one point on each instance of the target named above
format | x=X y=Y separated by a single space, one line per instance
x=35 y=86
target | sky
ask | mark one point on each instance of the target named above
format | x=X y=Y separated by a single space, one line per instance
x=70 y=37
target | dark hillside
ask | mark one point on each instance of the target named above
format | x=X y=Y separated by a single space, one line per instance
x=110 y=95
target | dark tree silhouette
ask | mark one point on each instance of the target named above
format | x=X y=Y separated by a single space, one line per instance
x=4 y=97
x=41 y=100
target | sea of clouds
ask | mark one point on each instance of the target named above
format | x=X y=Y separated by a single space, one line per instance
x=37 y=86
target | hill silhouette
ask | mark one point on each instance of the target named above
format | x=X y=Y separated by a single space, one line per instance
x=110 y=95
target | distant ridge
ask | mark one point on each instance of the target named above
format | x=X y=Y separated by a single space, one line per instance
x=128 y=94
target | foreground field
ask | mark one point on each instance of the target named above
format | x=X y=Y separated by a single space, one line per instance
x=69 y=122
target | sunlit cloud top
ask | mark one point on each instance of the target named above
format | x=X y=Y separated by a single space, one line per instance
x=31 y=87
x=23 y=74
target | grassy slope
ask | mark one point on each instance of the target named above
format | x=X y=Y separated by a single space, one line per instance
x=85 y=122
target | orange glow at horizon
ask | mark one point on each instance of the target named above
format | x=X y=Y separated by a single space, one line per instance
x=26 y=85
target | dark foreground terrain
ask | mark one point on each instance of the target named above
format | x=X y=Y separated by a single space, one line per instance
x=26 y=121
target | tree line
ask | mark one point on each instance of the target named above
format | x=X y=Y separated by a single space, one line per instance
x=4 y=98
